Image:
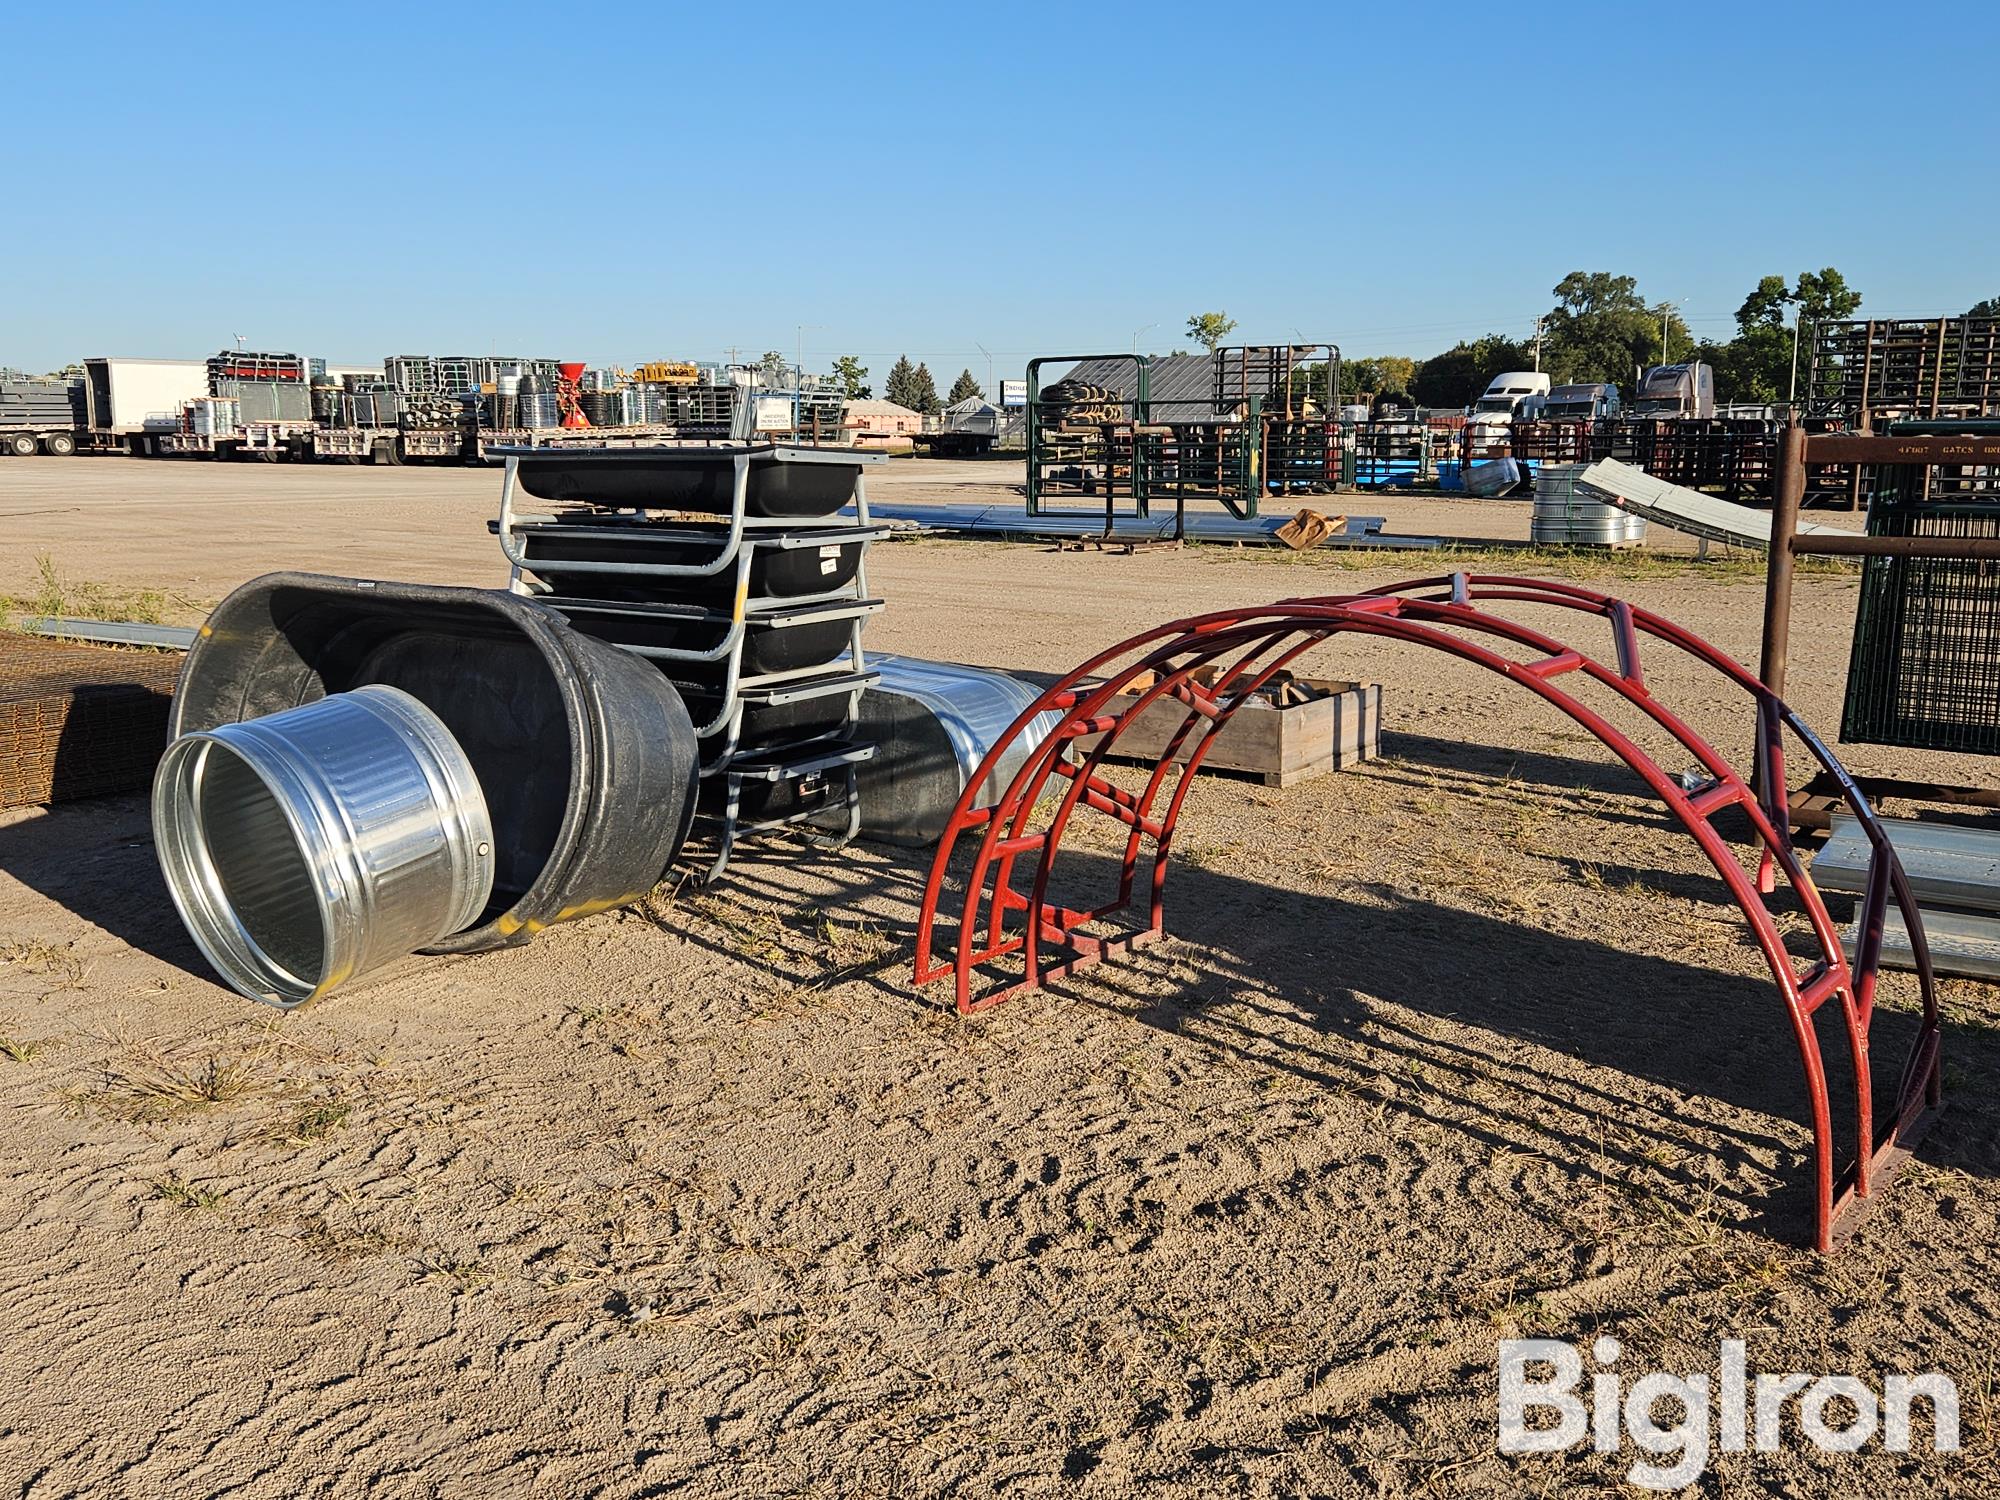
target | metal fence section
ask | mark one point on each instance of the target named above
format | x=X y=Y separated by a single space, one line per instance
x=1924 y=669
x=1121 y=431
x=1869 y=371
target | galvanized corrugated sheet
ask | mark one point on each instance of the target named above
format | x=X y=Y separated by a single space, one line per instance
x=1679 y=508
x=1960 y=943
x=1945 y=862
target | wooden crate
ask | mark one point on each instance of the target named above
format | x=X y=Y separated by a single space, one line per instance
x=1293 y=729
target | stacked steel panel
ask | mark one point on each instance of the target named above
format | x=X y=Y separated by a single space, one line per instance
x=1871 y=371
x=453 y=374
x=239 y=366
x=28 y=402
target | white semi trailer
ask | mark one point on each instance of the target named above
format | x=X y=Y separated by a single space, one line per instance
x=134 y=404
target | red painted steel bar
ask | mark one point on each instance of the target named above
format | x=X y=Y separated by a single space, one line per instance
x=1109 y=693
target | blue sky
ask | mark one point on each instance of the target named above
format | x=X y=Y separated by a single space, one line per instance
x=620 y=183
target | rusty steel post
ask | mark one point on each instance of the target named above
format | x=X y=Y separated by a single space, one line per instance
x=1787 y=492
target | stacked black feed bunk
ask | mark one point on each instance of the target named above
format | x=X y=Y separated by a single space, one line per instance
x=739 y=570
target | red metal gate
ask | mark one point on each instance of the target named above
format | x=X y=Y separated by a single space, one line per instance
x=1009 y=935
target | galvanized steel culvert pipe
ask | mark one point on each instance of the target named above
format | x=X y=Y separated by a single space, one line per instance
x=306 y=847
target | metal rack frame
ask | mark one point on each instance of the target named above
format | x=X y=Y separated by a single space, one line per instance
x=738 y=540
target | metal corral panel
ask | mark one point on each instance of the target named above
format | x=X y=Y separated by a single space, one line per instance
x=1176 y=384
x=268 y=401
x=1947 y=863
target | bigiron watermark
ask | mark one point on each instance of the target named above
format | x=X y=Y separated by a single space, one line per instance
x=1835 y=1413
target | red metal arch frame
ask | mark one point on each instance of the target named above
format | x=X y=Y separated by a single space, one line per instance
x=999 y=924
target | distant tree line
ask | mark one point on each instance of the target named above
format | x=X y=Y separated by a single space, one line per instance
x=1602 y=331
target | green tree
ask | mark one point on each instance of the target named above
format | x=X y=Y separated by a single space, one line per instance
x=965 y=388
x=1456 y=377
x=1765 y=307
x=1989 y=308
x=1393 y=374
x=1209 y=329
x=1376 y=376
x=774 y=368
x=1824 y=296
x=925 y=390
x=1601 y=330
x=902 y=384
x=1756 y=365
x=853 y=377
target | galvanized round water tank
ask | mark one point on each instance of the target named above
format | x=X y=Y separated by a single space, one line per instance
x=307 y=847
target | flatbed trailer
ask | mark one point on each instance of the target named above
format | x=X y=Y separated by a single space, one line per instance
x=952 y=444
x=638 y=436
x=260 y=440
x=25 y=441
x=391 y=445
x=39 y=416
x=387 y=445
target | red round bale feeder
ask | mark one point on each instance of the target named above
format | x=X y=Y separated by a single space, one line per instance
x=1008 y=935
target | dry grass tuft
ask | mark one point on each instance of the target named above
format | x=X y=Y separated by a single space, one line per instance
x=315 y=1122
x=46 y=959
x=178 y=1191
x=56 y=593
x=851 y=948
x=461 y=1277
x=20 y=1049
x=159 y=1088
x=328 y=1241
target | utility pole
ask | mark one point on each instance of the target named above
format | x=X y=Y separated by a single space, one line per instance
x=1538 y=345
x=992 y=391
x=1792 y=395
x=1137 y=331
x=799 y=370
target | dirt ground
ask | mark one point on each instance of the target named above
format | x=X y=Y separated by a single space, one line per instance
x=704 y=1198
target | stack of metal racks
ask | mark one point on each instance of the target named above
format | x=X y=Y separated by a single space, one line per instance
x=737 y=569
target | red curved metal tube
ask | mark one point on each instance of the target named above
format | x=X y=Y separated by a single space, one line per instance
x=1108 y=693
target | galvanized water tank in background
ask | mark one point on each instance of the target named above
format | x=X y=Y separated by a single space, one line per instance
x=1567 y=517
